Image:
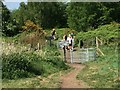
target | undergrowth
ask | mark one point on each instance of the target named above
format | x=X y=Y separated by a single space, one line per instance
x=28 y=64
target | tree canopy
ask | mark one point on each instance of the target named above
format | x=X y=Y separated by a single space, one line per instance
x=80 y=16
x=85 y=15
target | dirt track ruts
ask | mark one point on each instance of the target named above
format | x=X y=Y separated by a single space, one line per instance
x=69 y=80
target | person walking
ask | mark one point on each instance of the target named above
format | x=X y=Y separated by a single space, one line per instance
x=53 y=33
x=81 y=44
x=65 y=37
x=70 y=40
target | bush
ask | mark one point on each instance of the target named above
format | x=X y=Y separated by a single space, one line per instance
x=107 y=33
x=28 y=64
x=18 y=65
x=51 y=51
x=57 y=62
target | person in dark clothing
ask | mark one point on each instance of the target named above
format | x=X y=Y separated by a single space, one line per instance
x=65 y=37
x=81 y=44
x=53 y=33
x=72 y=35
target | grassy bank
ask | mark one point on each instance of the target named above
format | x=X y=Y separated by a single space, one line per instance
x=32 y=68
x=51 y=81
x=103 y=72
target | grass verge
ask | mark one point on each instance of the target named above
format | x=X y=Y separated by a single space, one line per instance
x=102 y=73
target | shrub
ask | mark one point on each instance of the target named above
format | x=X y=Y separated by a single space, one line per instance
x=28 y=64
x=57 y=62
x=51 y=51
x=18 y=65
x=107 y=33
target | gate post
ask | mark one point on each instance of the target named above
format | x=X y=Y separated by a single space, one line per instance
x=71 y=55
x=87 y=55
x=38 y=46
x=64 y=50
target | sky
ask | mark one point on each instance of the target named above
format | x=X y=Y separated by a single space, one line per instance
x=13 y=4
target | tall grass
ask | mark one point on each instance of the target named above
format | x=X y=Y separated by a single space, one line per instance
x=102 y=73
x=30 y=63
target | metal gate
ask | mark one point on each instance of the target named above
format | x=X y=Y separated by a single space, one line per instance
x=78 y=55
x=82 y=55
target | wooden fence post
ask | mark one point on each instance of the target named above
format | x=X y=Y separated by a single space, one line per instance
x=71 y=55
x=38 y=46
x=64 y=50
x=97 y=46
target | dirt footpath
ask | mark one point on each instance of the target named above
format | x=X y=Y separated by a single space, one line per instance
x=69 y=80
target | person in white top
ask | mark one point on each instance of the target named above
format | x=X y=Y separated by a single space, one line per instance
x=71 y=41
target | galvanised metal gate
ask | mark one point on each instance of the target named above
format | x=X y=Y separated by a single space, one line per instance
x=82 y=55
x=78 y=55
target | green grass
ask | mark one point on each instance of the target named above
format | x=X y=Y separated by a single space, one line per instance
x=52 y=81
x=25 y=67
x=102 y=73
x=17 y=64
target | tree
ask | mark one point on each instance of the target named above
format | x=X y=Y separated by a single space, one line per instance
x=49 y=15
x=114 y=10
x=22 y=14
x=5 y=19
x=10 y=27
x=82 y=16
x=45 y=14
x=77 y=16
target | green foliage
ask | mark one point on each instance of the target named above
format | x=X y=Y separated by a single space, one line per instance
x=76 y=20
x=56 y=63
x=21 y=14
x=31 y=34
x=85 y=15
x=5 y=18
x=52 y=58
x=6 y=67
x=19 y=65
x=65 y=31
x=28 y=64
x=5 y=13
x=78 y=16
x=10 y=27
x=57 y=19
x=47 y=14
x=107 y=33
